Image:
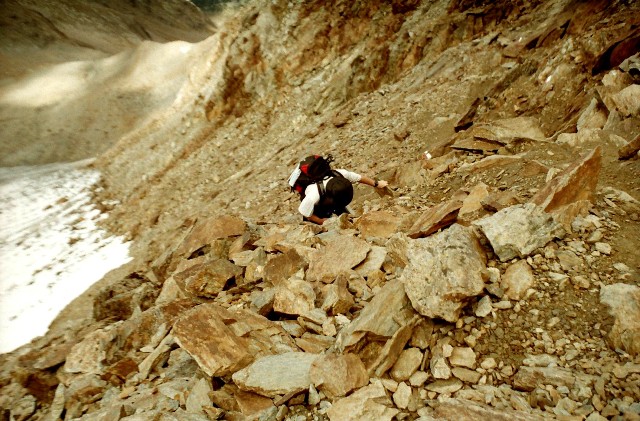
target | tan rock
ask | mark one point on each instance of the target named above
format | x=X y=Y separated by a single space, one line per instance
x=630 y=149
x=444 y=272
x=223 y=341
x=463 y=357
x=374 y=261
x=407 y=364
x=337 y=299
x=199 y=397
x=387 y=312
x=623 y=301
x=205 y=336
x=283 y=266
x=435 y=218
x=499 y=200
x=378 y=224
x=577 y=182
x=528 y=378
x=340 y=254
x=467 y=410
x=517 y=279
x=274 y=375
x=252 y=404
x=294 y=296
x=447 y=386
x=338 y=374
x=205 y=232
x=370 y=402
x=466 y=375
x=315 y=344
x=472 y=208
x=388 y=355
x=209 y=278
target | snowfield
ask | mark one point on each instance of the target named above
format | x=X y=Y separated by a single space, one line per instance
x=51 y=249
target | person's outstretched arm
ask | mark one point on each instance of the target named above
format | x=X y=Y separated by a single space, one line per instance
x=381 y=184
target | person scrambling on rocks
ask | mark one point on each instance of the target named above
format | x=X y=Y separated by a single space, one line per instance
x=325 y=192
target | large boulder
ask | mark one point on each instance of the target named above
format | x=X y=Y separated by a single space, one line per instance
x=623 y=301
x=444 y=272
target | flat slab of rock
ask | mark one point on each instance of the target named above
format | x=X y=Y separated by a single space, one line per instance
x=577 y=182
x=209 y=230
x=435 y=218
x=275 y=375
x=378 y=224
x=388 y=311
x=340 y=254
x=283 y=266
x=623 y=301
x=519 y=230
x=337 y=374
x=528 y=378
x=209 y=278
x=368 y=403
x=443 y=272
x=223 y=341
x=467 y=410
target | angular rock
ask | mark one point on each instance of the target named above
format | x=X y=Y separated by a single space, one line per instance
x=627 y=101
x=199 y=397
x=519 y=230
x=472 y=208
x=463 y=357
x=338 y=374
x=387 y=312
x=444 y=272
x=407 y=364
x=205 y=232
x=576 y=182
x=294 y=297
x=388 y=355
x=630 y=149
x=447 y=386
x=283 y=266
x=508 y=130
x=435 y=218
x=378 y=224
x=517 y=279
x=251 y=404
x=90 y=355
x=223 y=341
x=274 y=375
x=496 y=201
x=466 y=375
x=340 y=254
x=206 y=337
x=467 y=410
x=402 y=396
x=209 y=278
x=623 y=301
x=337 y=299
x=370 y=402
x=528 y=378
x=374 y=261
x=121 y=299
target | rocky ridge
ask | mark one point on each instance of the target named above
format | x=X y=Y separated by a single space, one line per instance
x=496 y=280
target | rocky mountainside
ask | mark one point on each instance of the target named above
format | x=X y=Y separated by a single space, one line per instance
x=497 y=279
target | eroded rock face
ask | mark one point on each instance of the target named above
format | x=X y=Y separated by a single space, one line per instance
x=444 y=271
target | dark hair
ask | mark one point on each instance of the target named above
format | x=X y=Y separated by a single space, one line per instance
x=340 y=190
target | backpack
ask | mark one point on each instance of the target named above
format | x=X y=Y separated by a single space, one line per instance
x=312 y=169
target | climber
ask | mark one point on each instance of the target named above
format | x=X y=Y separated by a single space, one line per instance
x=323 y=191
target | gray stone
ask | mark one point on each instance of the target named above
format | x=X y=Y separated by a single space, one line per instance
x=623 y=301
x=199 y=397
x=444 y=272
x=517 y=279
x=519 y=230
x=370 y=402
x=274 y=375
x=528 y=378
